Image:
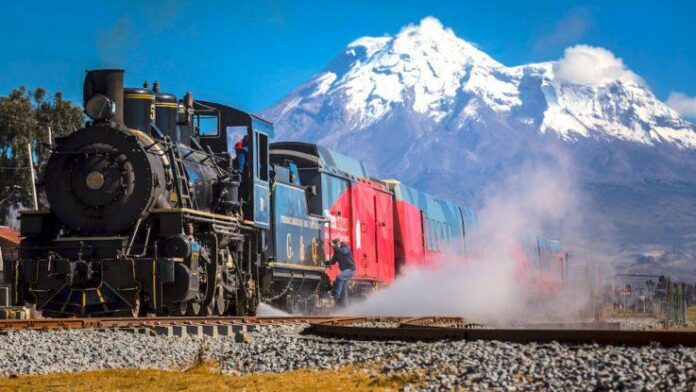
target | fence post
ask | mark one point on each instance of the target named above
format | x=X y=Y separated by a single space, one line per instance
x=681 y=305
x=32 y=185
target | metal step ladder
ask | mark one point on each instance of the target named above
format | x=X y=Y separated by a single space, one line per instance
x=181 y=179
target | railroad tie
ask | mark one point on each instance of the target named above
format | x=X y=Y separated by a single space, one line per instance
x=137 y=330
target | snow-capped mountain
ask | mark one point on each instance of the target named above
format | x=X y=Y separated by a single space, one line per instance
x=437 y=112
x=428 y=70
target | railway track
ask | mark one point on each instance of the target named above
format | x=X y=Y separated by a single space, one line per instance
x=373 y=329
x=145 y=322
x=452 y=328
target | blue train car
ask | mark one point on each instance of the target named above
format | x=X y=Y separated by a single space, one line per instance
x=296 y=243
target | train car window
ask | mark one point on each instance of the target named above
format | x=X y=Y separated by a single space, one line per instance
x=426 y=232
x=440 y=236
x=206 y=124
x=430 y=233
x=262 y=148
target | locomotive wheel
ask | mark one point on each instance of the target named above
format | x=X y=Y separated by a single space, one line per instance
x=194 y=309
x=217 y=305
x=135 y=312
x=208 y=310
x=245 y=307
x=132 y=312
x=220 y=304
x=178 y=310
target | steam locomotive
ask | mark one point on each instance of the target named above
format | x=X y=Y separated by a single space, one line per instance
x=151 y=214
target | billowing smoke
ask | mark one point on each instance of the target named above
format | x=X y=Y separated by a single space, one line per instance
x=495 y=284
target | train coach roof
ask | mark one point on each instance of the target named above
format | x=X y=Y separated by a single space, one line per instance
x=308 y=155
x=470 y=217
x=433 y=207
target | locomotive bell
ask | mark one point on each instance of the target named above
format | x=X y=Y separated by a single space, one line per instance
x=139 y=108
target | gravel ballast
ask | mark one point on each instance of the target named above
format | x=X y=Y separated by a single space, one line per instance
x=443 y=365
x=638 y=324
x=41 y=352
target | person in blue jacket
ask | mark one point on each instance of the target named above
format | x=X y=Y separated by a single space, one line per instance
x=344 y=257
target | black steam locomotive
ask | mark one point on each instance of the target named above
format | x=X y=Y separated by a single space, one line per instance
x=149 y=214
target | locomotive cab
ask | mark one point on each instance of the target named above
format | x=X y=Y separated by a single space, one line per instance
x=220 y=127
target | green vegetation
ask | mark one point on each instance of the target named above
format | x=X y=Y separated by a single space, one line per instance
x=25 y=117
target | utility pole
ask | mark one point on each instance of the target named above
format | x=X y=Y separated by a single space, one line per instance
x=50 y=137
x=33 y=180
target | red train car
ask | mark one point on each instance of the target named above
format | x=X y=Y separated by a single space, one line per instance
x=428 y=229
x=355 y=208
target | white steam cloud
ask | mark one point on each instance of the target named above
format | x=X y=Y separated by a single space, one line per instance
x=583 y=64
x=682 y=104
x=494 y=285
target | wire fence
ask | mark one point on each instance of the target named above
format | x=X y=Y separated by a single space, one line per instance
x=653 y=295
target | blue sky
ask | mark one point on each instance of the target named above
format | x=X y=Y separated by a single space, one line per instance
x=250 y=54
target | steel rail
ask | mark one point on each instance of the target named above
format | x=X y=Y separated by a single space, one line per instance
x=427 y=330
x=125 y=322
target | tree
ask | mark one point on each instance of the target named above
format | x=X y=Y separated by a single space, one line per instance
x=25 y=117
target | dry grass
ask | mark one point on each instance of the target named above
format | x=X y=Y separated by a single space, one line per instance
x=609 y=311
x=691 y=314
x=207 y=377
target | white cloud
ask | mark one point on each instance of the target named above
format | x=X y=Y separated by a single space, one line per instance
x=583 y=64
x=429 y=25
x=682 y=103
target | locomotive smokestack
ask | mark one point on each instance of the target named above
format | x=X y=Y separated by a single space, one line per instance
x=109 y=83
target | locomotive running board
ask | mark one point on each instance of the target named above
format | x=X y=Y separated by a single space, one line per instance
x=289 y=270
x=193 y=212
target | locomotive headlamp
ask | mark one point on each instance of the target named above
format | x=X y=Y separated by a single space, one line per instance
x=100 y=108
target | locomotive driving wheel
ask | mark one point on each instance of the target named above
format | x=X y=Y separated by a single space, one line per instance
x=220 y=303
x=193 y=308
x=214 y=299
x=135 y=311
x=180 y=310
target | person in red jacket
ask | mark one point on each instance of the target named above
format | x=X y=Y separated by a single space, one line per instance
x=241 y=149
